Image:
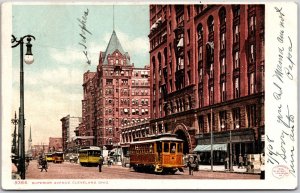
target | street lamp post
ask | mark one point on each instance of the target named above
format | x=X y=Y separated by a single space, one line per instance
x=28 y=59
x=14 y=148
x=230 y=145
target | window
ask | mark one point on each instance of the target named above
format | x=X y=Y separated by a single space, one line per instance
x=236 y=87
x=201 y=74
x=223 y=123
x=223 y=41
x=188 y=58
x=252 y=22
x=211 y=71
x=201 y=98
x=211 y=95
x=236 y=34
x=200 y=53
x=236 y=60
x=251 y=53
x=223 y=65
x=236 y=118
x=173 y=147
x=200 y=32
x=166 y=147
x=210 y=23
x=236 y=11
x=251 y=111
x=189 y=77
x=252 y=83
x=188 y=37
x=223 y=92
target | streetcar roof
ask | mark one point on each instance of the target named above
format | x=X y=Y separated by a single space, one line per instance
x=90 y=148
x=160 y=139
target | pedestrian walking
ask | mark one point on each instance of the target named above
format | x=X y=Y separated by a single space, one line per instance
x=100 y=163
x=241 y=161
x=191 y=165
x=44 y=165
x=226 y=163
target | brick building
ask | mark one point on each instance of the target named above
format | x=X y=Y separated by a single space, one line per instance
x=69 y=125
x=116 y=94
x=208 y=58
x=55 y=144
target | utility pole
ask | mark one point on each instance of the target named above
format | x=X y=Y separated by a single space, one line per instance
x=211 y=141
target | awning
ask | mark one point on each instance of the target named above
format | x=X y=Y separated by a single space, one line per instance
x=207 y=148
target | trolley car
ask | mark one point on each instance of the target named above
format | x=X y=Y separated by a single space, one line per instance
x=49 y=157
x=58 y=157
x=162 y=154
x=89 y=156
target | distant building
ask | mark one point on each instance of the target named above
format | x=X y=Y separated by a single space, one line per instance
x=39 y=150
x=69 y=125
x=55 y=144
x=207 y=75
x=115 y=95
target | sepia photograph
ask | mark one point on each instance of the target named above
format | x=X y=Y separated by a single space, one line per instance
x=169 y=96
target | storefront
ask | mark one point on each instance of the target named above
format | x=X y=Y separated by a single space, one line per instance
x=243 y=142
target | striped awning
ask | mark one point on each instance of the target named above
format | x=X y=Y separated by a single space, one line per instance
x=207 y=148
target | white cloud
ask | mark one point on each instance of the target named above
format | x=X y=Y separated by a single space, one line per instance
x=61 y=76
x=136 y=45
x=69 y=55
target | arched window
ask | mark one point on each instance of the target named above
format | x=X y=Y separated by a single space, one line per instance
x=153 y=66
x=200 y=32
x=236 y=10
x=210 y=24
x=222 y=16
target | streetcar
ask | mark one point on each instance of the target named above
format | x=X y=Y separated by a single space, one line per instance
x=89 y=156
x=58 y=157
x=160 y=154
x=49 y=157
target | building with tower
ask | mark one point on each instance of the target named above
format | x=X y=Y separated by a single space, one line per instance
x=207 y=75
x=115 y=95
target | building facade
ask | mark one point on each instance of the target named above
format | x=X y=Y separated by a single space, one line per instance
x=69 y=125
x=207 y=64
x=115 y=95
x=55 y=144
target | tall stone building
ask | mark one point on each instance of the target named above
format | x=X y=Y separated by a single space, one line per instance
x=115 y=95
x=69 y=125
x=207 y=69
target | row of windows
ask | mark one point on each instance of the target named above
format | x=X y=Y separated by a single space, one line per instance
x=125 y=92
x=133 y=120
x=223 y=116
x=223 y=90
x=135 y=111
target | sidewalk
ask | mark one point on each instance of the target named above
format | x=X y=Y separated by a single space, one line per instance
x=221 y=168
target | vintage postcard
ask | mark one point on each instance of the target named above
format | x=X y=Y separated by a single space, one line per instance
x=126 y=95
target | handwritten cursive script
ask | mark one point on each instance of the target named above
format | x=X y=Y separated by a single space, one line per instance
x=83 y=34
x=281 y=148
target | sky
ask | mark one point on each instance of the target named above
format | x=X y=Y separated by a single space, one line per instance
x=53 y=83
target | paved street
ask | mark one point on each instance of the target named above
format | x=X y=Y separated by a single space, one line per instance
x=68 y=170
